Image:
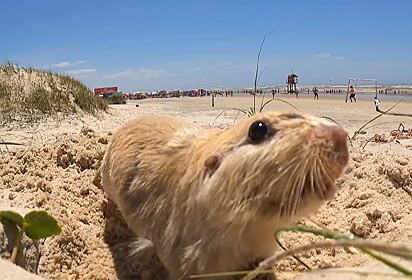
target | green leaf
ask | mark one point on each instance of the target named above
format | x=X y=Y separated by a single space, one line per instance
x=39 y=224
x=12 y=216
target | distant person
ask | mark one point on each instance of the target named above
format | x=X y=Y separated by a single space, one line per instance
x=377 y=103
x=315 y=91
x=352 y=94
x=273 y=93
x=297 y=93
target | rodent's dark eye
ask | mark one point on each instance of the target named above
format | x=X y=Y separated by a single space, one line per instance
x=258 y=132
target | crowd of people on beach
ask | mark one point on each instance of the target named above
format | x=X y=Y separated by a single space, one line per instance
x=177 y=93
x=350 y=92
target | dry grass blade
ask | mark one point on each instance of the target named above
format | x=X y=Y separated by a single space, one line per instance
x=395 y=114
x=329 y=118
x=257 y=69
x=379 y=275
x=225 y=274
x=361 y=244
x=333 y=235
x=367 y=142
x=235 y=109
x=340 y=240
x=377 y=124
x=263 y=95
x=296 y=258
x=376 y=117
x=10 y=143
x=237 y=115
x=277 y=99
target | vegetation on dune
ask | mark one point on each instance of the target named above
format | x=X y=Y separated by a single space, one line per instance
x=117 y=98
x=30 y=95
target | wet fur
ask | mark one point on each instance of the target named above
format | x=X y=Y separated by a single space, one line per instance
x=208 y=199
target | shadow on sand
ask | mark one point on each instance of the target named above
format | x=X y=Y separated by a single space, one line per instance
x=120 y=240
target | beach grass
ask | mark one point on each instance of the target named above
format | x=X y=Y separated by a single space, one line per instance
x=117 y=98
x=30 y=95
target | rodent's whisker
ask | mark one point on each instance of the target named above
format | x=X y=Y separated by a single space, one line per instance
x=301 y=185
x=312 y=178
x=291 y=189
x=295 y=193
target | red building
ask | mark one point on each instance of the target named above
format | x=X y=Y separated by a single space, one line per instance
x=105 y=90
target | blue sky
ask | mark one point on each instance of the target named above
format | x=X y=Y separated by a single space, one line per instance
x=152 y=45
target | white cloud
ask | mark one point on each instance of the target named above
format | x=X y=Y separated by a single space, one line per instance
x=66 y=64
x=288 y=33
x=62 y=64
x=81 y=72
x=329 y=56
x=190 y=70
x=224 y=64
x=139 y=74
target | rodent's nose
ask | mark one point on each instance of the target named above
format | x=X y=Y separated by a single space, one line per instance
x=339 y=139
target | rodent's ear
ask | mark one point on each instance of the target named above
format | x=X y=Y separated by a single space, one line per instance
x=212 y=163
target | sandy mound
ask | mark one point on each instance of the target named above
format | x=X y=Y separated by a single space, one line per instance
x=29 y=95
x=374 y=202
x=59 y=179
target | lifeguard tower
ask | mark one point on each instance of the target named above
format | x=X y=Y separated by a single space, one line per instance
x=291 y=81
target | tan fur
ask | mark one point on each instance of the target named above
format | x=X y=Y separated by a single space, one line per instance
x=202 y=220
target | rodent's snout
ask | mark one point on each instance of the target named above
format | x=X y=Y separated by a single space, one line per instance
x=338 y=136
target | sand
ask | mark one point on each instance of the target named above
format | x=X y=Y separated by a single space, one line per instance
x=55 y=170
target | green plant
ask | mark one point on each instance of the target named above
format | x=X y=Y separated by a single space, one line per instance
x=117 y=98
x=35 y=224
x=89 y=102
x=38 y=100
x=257 y=76
x=253 y=110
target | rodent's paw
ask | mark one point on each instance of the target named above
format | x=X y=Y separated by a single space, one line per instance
x=142 y=250
x=264 y=276
x=146 y=260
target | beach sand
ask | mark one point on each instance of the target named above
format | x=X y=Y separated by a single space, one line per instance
x=54 y=170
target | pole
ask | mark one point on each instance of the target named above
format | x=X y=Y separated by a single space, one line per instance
x=347 y=91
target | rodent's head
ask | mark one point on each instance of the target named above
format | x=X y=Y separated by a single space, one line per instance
x=282 y=165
